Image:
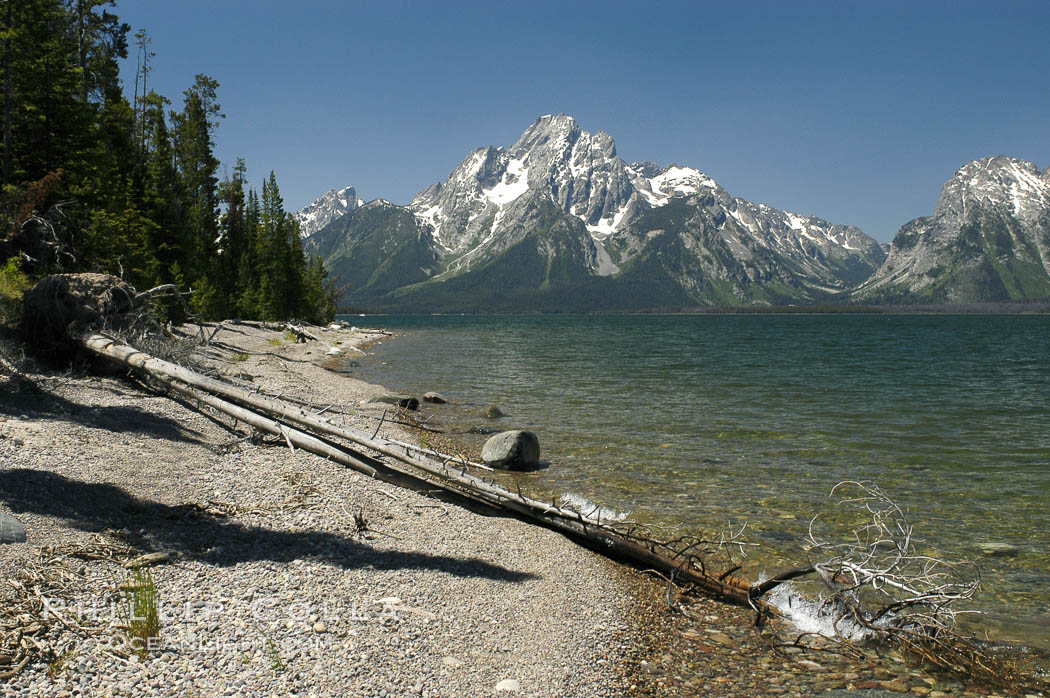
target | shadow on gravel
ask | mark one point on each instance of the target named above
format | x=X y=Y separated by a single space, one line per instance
x=117 y=418
x=185 y=531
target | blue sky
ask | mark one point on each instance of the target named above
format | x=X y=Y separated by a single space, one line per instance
x=853 y=111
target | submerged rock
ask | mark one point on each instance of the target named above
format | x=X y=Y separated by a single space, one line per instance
x=492 y=412
x=993 y=549
x=512 y=449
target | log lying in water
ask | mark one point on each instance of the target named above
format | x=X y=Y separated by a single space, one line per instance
x=221 y=396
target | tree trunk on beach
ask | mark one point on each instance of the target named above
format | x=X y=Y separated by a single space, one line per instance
x=639 y=550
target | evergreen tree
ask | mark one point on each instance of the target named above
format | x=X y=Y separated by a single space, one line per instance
x=248 y=269
x=233 y=246
x=138 y=183
x=197 y=167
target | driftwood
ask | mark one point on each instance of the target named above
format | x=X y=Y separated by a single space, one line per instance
x=301 y=333
x=637 y=549
x=293 y=437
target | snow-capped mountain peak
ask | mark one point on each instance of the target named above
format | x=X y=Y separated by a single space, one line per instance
x=479 y=210
x=559 y=208
x=660 y=187
x=988 y=239
x=997 y=181
x=325 y=208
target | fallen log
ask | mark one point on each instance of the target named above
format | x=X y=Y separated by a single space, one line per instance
x=639 y=550
x=294 y=437
x=130 y=356
x=301 y=333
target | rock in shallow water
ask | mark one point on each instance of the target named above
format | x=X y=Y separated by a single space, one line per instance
x=993 y=549
x=406 y=401
x=512 y=449
x=436 y=398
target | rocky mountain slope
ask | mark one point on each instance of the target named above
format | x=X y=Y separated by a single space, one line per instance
x=988 y=240
x=326 y=208
x=375 y=248
x=559 y=221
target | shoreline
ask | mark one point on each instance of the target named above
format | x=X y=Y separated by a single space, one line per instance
x=266 y=552
x=431 y=599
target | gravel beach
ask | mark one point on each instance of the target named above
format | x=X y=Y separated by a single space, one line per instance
x=271 y=587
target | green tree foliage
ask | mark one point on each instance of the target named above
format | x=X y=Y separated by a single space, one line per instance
x=275 y=278
x=91 y=181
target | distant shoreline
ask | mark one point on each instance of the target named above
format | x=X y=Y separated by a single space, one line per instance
x=1021 y=308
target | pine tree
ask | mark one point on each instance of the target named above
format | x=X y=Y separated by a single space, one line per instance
x=248 y=273
x=233 y=246
x=161 y=188
x=46 y=124
x=139 y=184
x=197 y=167
x=320 y=295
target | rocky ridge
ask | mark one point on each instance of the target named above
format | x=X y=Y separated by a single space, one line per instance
x=987 y=240
x=559 y=209
x=326 y=208
x=559 y=222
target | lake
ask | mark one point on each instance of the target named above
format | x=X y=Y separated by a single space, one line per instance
x=709 y=421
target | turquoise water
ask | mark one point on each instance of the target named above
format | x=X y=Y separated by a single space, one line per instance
x=713 y=420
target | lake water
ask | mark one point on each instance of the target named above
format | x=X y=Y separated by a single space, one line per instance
x=708 y=421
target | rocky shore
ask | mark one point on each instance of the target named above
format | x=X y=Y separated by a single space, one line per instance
x=283 y=574
x=286 y=575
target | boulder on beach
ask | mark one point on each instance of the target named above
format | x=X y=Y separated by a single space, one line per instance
x=11 y=529
x=512 y=449
x=436 y=398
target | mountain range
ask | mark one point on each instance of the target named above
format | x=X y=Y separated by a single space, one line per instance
x=558 y=222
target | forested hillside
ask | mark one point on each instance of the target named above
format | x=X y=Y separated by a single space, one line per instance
x=93 y=180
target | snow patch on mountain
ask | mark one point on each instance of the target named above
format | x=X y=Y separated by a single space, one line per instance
x=513 y=183
x=608 y=225
x=676 y=180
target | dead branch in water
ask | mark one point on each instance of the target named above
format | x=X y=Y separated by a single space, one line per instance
x=875 y=588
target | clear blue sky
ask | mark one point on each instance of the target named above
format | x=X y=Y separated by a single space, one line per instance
x=853 y=111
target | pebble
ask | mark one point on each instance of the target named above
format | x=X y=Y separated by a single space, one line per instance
x=510 y=685
x=720 y=638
